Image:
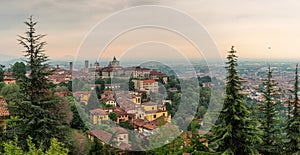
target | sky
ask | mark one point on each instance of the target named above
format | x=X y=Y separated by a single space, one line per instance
x=258 y=29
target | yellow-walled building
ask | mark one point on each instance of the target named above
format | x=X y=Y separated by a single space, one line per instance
x=98 y=115
x=152 y=112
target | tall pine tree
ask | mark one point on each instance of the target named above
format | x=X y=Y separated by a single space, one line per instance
x=269 y=113
x=1 y=72
x=235 y=134
x=293 y=126
x=38 y=110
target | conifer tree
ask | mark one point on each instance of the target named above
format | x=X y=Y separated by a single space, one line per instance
x=269 y=112
x=235 y=134
x=37 y=111
x=1 y=72
x=293 y=126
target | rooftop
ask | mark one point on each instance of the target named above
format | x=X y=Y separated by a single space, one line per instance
x=101 y=135
x=98 y=111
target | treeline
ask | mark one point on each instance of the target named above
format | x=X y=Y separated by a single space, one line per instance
x=243 y=128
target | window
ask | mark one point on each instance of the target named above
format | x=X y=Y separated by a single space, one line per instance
x=154 y=116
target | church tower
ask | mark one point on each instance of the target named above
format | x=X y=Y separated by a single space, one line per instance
x=114 y=63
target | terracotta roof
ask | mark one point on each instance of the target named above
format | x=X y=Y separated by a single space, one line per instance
x=98 y=111
x=107 y=69
x=149 y=103
x=3 y=110
x=154 y=72
x=122 y=98
x=8 y=74
x=150 y=126
x=149 y=81
x=139 y=68
x=77 y=93
x=101 y=135
x=121 y=113
x=138 y=122
x=119 y=130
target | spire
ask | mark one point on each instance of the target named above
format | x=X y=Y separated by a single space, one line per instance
x=114 y=59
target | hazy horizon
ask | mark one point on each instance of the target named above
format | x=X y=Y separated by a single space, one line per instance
x=258 y=29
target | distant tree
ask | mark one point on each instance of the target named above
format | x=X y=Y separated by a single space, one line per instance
x=113 y=116
x=293 y=125
x=76 y=122
x=144 y=97
x=86 y=87
x=204 y=79
x=19 y=70
x=126 y=125
x=10 y=92
x=93 y=102
x=77 y=85
x=1 y=72
x=108 y=81
x=168 y=106
x=98 y=92
x=38 y=111
x=235 y=134
x=101 y=82
x=98 y=148
x=269 y=112
x=67 y=85
x=201 y=112
x=131 y=85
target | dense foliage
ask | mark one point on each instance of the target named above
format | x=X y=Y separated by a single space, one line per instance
x=235 y=134
x=37 y=110
x=293 y=125
x=269 y=113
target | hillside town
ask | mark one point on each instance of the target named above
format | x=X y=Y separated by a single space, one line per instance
x=134 y=106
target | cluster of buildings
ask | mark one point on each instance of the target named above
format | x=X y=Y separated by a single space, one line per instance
x=254 y=76
x=128 y=106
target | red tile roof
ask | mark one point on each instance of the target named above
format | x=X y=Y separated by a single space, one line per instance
x=149 y=81
x=101 y=135
x=149 y=103
x=119 y=130
x=98 y=111
x=8 y=74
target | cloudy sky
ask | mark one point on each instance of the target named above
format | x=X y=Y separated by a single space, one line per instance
x=252 y=26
